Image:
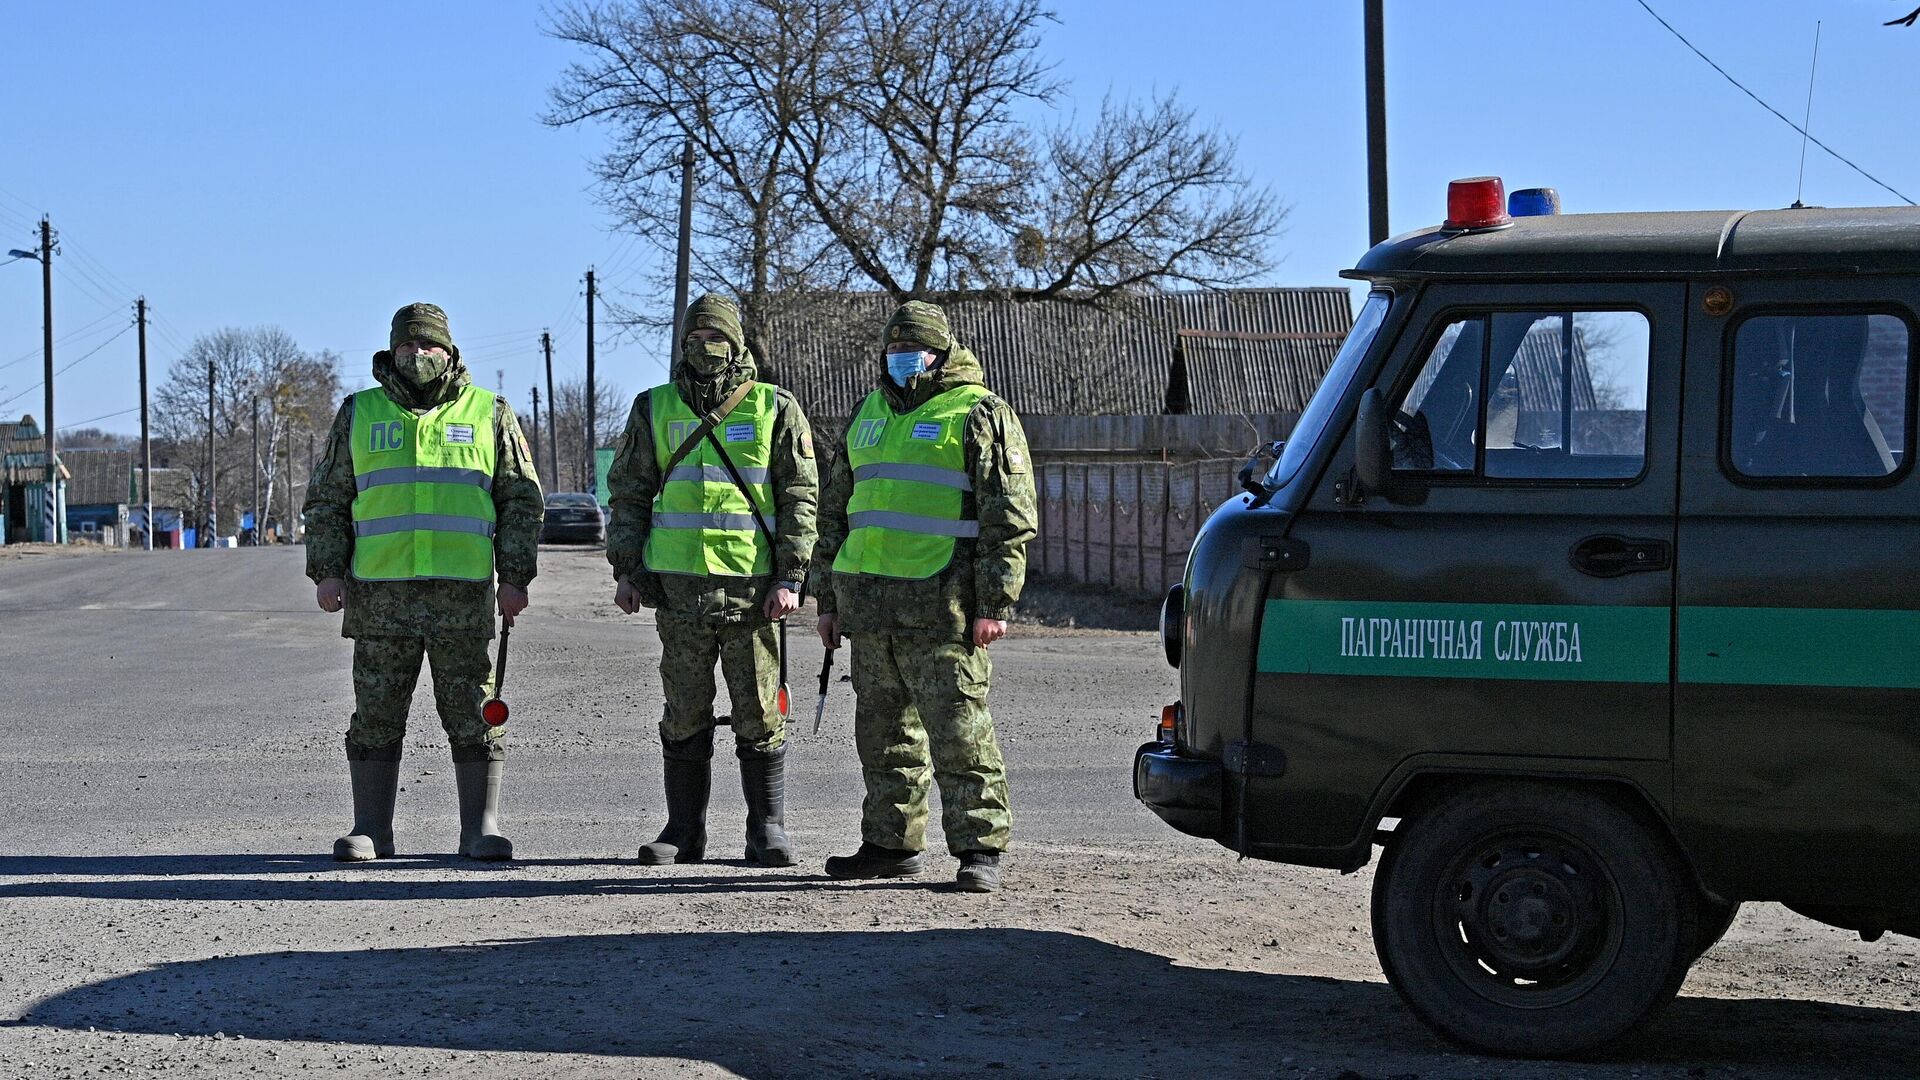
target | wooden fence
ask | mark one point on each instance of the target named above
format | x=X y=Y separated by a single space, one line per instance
x=1126 y=525
x=1165 y=438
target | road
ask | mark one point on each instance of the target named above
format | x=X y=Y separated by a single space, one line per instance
x=173 y=782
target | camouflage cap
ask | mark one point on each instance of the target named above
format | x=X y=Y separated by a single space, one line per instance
x=421 y=322
x=919 y=321
x=715 y=312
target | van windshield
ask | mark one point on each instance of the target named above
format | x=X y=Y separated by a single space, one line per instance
x=1306 y=431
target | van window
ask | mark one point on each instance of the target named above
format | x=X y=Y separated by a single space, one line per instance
x=1526 y=395
x=1819 y=396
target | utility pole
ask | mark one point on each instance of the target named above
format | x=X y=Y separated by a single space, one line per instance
x=683 y=252
x=254 y=507
x=146 y=432
x=553 y=437
x=50 y=513
x=589 y=474
x=213 y=483
x=536 y=431
x=1376 y=122
x=288 y=528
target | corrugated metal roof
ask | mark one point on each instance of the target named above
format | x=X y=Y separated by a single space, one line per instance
x=1055 y=359
x=100 y=477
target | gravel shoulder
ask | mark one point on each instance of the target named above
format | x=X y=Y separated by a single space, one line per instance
x=173 y=782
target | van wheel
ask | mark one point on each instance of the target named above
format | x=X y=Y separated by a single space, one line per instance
x=1714 y=919
x=1532 y=919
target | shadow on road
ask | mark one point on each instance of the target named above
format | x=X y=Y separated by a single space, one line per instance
x=931 y=1002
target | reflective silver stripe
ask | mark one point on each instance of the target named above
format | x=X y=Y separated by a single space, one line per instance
x=914 y=523
x=924 y=474
x=729 y=522
x=423 y=474
x=717 y=474
x=423 y=523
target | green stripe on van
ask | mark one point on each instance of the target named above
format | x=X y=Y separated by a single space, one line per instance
x=1598 y=643
x=1800 y=647
x=1592 y=643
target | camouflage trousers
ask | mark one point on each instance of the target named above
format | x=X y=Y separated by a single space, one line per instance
x=385 y=672
x=749 y=658
x=922 y=709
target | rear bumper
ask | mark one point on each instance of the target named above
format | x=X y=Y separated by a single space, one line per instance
x=1187 y=792
x=572 y=534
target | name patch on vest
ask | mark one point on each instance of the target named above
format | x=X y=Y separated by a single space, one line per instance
x=739 y=432
x=459 y=434
x=927 y=431
x=388 y=436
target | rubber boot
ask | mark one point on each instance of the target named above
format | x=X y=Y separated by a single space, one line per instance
x=376 y=784
x=688 y=769
x=763 y=779
x=874 y=861
x=478 y=784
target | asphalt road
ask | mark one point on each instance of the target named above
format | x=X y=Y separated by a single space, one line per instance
x=172 y=783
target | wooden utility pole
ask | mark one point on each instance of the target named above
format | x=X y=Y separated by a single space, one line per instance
x=146 y=432
x=536 y=431
x=213 y=483
x=683 y=254
x=591 y=440
x=254 y=508
x=1376 y=122
x=553 y=430
x=50 y=513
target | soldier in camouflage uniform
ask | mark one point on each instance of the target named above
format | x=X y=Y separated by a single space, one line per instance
x=685 y=544
x=410 y=592
x=923 y=532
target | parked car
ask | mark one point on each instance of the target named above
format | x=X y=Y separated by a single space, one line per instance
x=1583 y=590
x=573 y=517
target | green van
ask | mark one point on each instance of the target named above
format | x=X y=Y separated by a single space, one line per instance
x=1585 y=588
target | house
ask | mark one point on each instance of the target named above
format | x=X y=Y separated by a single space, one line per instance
x=1227 y=352
x=28 y=513
x=99 y=494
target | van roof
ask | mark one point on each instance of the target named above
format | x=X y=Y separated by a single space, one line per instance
x=1857 y=240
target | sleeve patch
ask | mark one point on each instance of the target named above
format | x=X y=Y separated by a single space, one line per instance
x=806 y=444
x=1016 y=460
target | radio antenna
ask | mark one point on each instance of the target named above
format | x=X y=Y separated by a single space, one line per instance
x=1801 y=187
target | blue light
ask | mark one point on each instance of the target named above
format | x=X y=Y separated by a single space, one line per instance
x=1533 y=202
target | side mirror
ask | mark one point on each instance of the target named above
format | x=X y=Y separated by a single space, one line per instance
x=1373 y=454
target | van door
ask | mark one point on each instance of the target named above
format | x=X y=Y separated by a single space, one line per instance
x=1797 y=713
x=1523 y=610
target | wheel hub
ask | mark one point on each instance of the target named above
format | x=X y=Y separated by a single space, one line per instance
x=1528 y=915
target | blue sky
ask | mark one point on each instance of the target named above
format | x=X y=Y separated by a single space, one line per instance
x=315 y=166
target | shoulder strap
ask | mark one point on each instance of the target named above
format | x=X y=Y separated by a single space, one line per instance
x=707 y=423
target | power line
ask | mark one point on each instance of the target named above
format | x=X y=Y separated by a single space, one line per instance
x=94 y=327
x=103 y=416
x=1783 y=118
x=66 y=369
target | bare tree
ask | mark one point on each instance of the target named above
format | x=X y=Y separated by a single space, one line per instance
x=576 y=468
x=883 y=144
x=297 y=392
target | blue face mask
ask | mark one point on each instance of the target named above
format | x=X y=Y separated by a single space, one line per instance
x=902 y=366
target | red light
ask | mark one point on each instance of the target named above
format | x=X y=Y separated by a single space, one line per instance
x=1477 y=203
x=784 y=701
x=494 y=712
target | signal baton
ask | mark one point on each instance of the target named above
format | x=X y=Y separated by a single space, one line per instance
x=494 y=712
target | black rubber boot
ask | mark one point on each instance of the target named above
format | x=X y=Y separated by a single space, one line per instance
x=979 y=872
x=763 y=779
x=688 y=769
x=376 y=784
x=874 y=861
x=478 y=784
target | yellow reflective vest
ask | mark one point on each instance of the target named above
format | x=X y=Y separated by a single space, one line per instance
x=701 y=522
x=423 y=507
x=910 y=483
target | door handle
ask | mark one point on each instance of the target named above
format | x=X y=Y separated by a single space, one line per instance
x=1611 y=556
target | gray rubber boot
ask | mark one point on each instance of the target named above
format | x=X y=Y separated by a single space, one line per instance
x=688 y=770
x=478 y=785
x=763 y=779
x=376 y=784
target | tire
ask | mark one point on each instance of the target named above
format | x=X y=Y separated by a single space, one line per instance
x=1533 y=920
x=1713 y=918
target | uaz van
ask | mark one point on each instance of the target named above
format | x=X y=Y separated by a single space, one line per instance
x=1586 y=589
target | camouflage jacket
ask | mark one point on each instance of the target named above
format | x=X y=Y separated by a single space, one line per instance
x=423 y=608
x=634 y=479
x=985 y=577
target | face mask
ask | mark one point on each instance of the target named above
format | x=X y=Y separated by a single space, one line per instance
x=707 y=358
x=902 y=366
x=423 y=368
